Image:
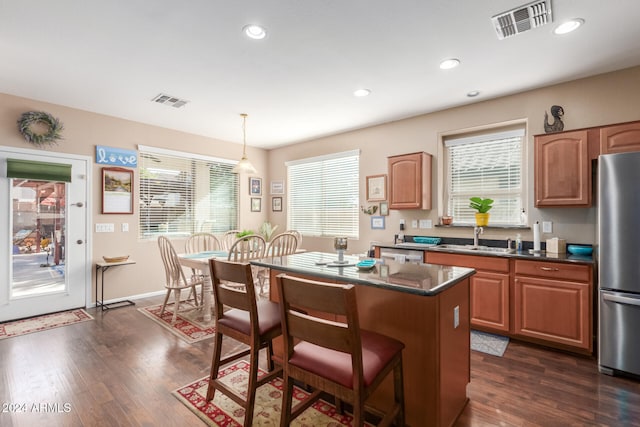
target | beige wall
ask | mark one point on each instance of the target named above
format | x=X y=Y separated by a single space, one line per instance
x=82 y=132
x=605 y=99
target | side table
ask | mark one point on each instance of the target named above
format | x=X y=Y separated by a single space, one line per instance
x=102 y=267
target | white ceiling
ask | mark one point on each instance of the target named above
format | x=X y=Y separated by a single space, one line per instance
x=112 y=57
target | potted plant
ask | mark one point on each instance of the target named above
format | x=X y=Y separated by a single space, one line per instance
x=482 y=206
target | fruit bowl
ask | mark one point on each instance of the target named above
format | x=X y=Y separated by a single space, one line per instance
x=580 y=250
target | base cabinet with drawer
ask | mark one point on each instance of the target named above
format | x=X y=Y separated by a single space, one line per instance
x=553 y=302
x=489 y=288
x=545 y=302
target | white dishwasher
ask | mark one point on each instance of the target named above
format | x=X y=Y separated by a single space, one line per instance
x=402 y=255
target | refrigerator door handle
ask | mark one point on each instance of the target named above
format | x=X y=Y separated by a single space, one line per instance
x=622 y=300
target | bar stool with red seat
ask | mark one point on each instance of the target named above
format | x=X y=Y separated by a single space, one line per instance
x=334 y=356
x=240 y=316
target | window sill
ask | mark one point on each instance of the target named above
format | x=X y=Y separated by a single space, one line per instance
x=492 y=226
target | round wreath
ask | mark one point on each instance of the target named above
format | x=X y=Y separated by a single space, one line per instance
x=51 y=136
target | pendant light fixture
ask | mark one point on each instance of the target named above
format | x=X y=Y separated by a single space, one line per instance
x=244 y=165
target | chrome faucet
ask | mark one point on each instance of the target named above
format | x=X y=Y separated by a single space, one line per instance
x=476 y=231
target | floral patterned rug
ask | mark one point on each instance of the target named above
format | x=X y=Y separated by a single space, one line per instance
x=42 y=323
x=222 y=411
x=190 y=325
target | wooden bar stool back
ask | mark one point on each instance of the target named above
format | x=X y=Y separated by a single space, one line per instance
x=334 y=356
x=239 y=316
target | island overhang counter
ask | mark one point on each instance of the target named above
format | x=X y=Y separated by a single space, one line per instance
x=426 y=306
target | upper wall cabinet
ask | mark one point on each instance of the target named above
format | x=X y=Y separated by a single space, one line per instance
x=562 y=169
x=620 y=138
x=410 y=181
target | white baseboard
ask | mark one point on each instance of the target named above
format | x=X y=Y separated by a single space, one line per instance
x=133 y=297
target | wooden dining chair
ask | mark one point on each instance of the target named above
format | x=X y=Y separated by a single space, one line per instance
x=298 y=236
x=334 y=356
x=240 y=316
x=175 y=279
x=201 y=242
x=246 y=248
x=228 y=239
x=283 y=244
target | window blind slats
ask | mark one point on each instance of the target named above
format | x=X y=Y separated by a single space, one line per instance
x=489 y=166
x=323 y=195
x=181 y=195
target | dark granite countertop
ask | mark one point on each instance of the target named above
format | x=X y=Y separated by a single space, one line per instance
x=542 y=256
x=414 y=278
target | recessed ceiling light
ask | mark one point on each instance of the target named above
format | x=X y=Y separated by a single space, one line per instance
x=569 y=26
x=449 y=63
x=473 y=93
x=361 y=92
x=254 y=31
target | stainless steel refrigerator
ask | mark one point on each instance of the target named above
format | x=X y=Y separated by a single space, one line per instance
x=619 y=263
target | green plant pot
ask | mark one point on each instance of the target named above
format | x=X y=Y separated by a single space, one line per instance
x=482 y=219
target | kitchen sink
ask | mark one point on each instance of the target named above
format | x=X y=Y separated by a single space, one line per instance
x=476 y=249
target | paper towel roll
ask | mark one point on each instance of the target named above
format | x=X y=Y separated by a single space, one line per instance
x=536 y=237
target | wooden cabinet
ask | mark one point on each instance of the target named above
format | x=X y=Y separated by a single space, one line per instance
x=410 y=181
x=620 y=138
x=546 y=302
x=489 y=293
x=553 y=302
x=563 y=169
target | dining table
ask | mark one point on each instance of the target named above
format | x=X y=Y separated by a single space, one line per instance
x=200 y=261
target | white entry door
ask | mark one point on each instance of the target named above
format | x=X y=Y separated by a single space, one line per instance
x=44 y=252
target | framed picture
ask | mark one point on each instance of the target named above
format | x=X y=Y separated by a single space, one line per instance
x=377 y=223
x=276 y=204
x=256 y=204
x=377 y=188
x=117 y=191
x=255 y=186
x=384 y=208
x=277 y=187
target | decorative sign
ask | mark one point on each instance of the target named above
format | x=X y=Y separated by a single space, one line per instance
x=116 y=156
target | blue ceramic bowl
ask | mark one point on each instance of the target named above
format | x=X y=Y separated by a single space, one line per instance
x=366 y=264
x=580 y=250
x=428 y=240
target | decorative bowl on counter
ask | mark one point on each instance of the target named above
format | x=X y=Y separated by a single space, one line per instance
x=446 y=220
x=366 y=264
x=121 y=258
x=427 y=240
x=580 y=250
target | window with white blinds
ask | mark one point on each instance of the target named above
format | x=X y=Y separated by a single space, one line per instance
x=182 y=193
x=323 y=195
x=487 y=166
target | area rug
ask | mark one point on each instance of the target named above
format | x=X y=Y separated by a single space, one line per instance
x=489 y=343
x=190 y=325
x=42 y=323
x=222 y=411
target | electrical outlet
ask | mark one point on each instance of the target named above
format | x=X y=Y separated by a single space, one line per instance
x=547 y=227
x=125 y=227
x=414 y=223
x=456 y=316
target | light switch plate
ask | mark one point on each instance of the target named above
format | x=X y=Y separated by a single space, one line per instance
x=125 y=227
x=426 y=223
x=105 y=228
x=547 y=227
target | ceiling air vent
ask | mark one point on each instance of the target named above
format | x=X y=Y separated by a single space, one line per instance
x=523 y=18
x=169 y=100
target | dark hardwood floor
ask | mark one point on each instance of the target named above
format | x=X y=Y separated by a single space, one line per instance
x=120 y=369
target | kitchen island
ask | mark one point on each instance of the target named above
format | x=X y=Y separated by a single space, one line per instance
x=424 y=306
